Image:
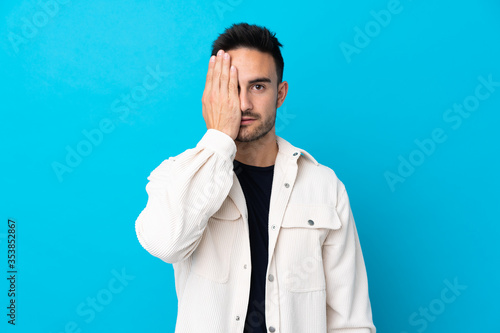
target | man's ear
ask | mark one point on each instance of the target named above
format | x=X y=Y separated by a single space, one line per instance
x=282 y=91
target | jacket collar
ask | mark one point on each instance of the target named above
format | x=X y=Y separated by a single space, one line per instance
x=284 y=147
x=286 y=162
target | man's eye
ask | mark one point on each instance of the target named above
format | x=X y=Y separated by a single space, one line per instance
x=259 y=85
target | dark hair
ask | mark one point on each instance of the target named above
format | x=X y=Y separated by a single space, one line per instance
x=253 y=37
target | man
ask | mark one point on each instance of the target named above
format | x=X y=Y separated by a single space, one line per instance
x=261 y=236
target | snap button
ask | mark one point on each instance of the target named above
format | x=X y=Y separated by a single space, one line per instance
x=287 y=185
x=245 y=266
x=237 y=318
x=272 y=329
x=270 y=277
x=311 y=222
x=273 y=226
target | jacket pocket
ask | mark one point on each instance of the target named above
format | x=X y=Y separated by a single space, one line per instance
x=303 y=231
x=212 y=257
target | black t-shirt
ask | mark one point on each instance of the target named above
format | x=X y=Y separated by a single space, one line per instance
x=256 y=183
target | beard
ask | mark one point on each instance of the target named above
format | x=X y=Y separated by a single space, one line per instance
x=249 y=134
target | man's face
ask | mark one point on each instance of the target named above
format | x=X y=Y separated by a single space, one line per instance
x=258 y=92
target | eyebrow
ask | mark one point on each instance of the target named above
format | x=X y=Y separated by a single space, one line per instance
x=260 y=79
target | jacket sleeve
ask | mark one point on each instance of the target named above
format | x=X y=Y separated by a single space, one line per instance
x=347 y=301
x=183 y=192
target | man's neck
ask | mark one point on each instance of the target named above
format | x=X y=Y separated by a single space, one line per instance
x=259 y=153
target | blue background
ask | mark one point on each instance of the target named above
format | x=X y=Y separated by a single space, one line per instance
x=359 y=114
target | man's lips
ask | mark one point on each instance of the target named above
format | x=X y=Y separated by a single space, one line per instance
x=246 y=120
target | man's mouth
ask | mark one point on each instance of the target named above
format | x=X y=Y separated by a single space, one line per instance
x=246 y=120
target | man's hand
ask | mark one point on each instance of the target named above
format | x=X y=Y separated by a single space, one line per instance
x=221 y=104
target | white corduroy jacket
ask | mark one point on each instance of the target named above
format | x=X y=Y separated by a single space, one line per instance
x=196 y=218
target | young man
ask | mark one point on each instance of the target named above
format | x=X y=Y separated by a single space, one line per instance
x=261 y=236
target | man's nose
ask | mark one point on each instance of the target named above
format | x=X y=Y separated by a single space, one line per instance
x=245 y=101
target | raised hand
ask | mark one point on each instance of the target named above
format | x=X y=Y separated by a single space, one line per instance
x=221 y=104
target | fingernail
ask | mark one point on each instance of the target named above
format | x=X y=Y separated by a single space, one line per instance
x=220 y=52
x=226 y=55
x=212 y=59
x=233 y=68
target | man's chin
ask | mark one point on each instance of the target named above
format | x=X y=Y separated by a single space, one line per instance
x=243 y=139
x=245 y=135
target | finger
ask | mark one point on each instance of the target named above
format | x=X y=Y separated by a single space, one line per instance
x=208 y=81
x=224 y=79
x=217 y=73
x=233 y=83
